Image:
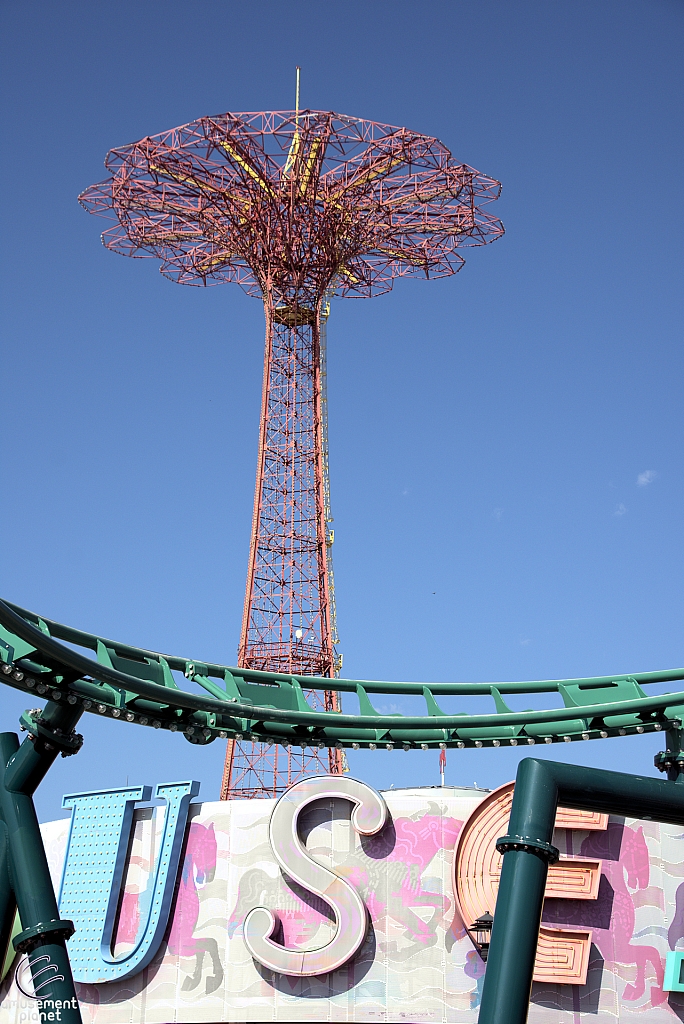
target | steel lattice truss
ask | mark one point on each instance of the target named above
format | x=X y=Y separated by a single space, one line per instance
x=286 y=625
x=295 y=207
x=294 y=204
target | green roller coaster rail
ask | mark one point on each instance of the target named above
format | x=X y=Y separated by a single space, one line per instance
x=134 y=685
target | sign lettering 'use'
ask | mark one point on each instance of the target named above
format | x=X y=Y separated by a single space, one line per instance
x=96 y=865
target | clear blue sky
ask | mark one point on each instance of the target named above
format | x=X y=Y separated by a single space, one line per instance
x=489 y=432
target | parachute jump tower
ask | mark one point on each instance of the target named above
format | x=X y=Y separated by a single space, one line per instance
x=296 y=207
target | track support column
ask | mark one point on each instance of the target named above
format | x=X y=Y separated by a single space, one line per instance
x=528 y=853
x=44 y=935
x=671 y=761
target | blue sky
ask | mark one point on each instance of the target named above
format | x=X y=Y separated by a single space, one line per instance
x=506 y=444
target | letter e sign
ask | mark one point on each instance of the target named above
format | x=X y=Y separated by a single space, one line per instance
x=562 y=953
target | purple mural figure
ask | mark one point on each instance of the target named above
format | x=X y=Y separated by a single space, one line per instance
x=398 y=876
x=676 y=930
x=475 y=968
x=128 y=924
x=615 y=942
x=199 y=867
x=611 y=917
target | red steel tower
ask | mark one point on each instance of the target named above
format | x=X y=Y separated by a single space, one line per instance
x=296 y=207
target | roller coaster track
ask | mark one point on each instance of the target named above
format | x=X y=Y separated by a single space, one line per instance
x=128 y=684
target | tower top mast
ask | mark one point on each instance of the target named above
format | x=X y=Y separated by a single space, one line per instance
x=297 y=97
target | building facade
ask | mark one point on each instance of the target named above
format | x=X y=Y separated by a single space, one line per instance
x=614 y=909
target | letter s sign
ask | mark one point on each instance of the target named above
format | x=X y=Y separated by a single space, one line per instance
x=351 y=917
x=562 y=954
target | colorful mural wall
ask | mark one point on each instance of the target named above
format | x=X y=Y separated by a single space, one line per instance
x=417 y=962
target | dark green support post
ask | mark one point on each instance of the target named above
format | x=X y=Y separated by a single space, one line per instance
x=43 y=938
x=540 y=786
x=671 y=760
x=528 y=853
x=8 y=904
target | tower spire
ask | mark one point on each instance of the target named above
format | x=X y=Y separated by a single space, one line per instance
x=297 y=97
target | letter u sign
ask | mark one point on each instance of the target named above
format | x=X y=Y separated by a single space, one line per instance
x=93 y=872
